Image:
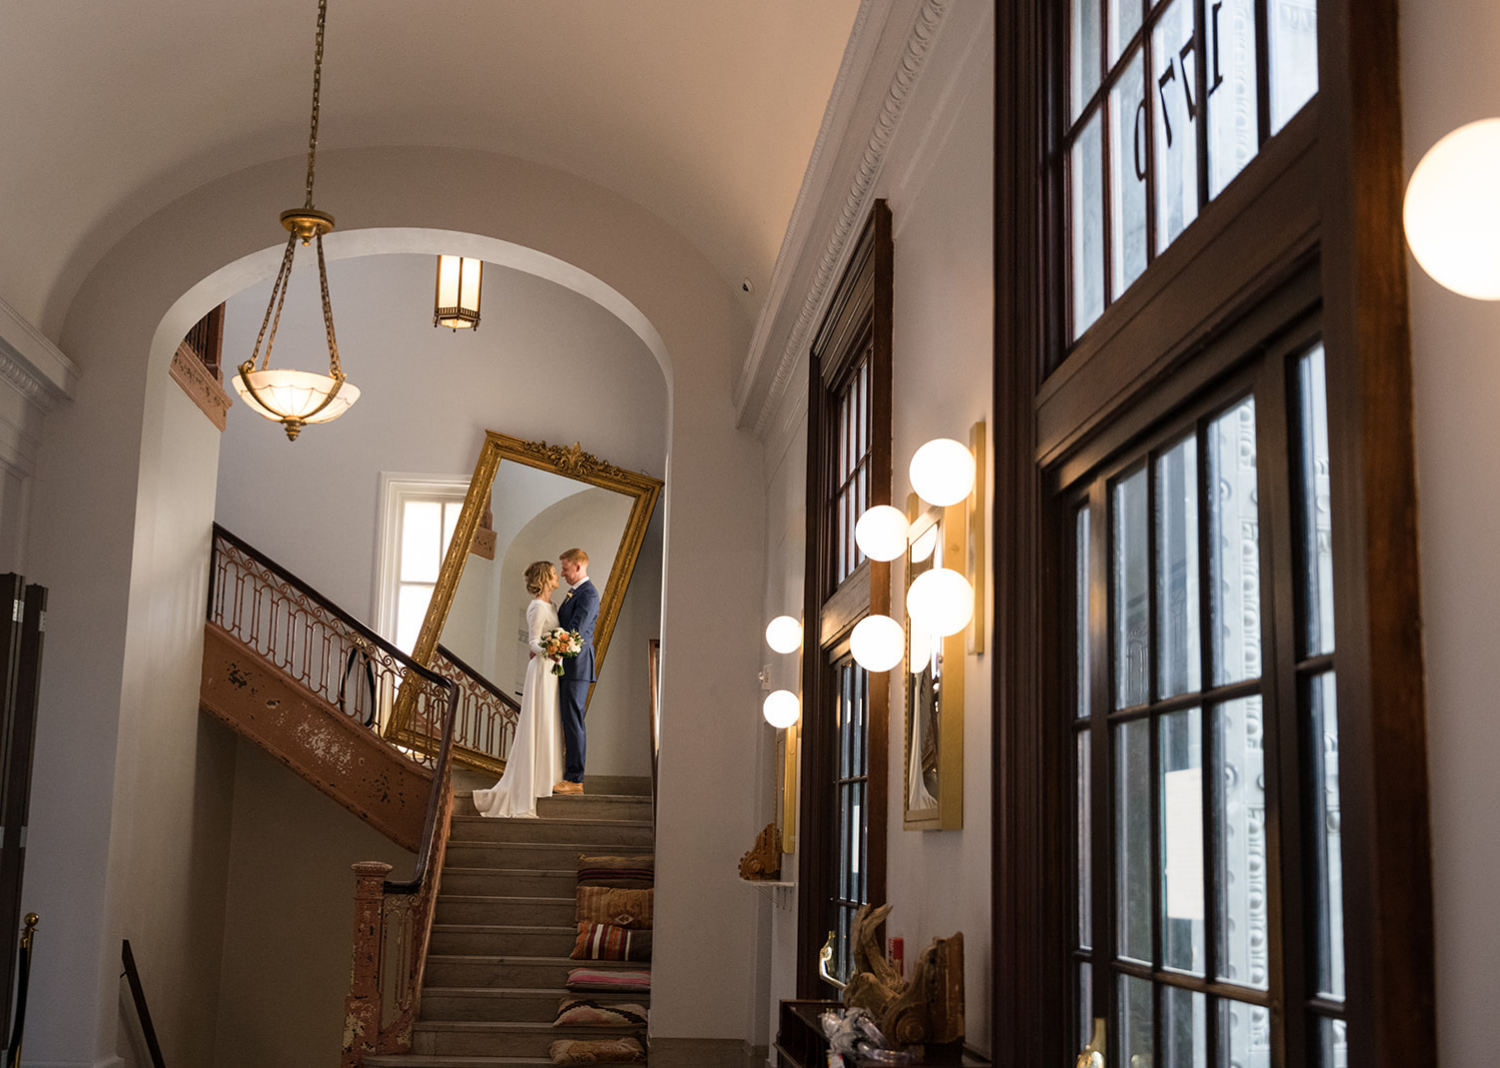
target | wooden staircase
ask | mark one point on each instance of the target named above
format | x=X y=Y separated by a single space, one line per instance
x=504 y=927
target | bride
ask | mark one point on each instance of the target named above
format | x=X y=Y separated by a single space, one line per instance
x=536 y=759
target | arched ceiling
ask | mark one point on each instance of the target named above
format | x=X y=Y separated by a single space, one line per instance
x=703 y=111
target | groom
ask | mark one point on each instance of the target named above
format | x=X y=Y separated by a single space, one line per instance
x=580 y=609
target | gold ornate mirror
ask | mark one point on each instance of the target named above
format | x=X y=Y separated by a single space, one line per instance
x=534 y=501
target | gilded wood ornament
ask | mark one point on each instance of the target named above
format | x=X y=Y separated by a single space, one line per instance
x=764 y=859
x=930 y=1008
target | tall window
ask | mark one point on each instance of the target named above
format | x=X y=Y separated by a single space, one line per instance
x=1141 y=164
x=1209 y=893
x=845 y=709
x=419 y=514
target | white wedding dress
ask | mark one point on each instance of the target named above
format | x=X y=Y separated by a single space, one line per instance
x=536 y=755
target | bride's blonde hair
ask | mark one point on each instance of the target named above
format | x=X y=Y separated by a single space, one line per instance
x=539 y=576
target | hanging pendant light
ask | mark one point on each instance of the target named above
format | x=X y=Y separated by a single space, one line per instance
x=296 y=398
x=456 y=305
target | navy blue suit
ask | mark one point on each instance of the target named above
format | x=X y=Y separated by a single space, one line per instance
x=579 y=611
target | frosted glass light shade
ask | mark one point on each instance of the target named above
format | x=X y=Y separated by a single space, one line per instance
x=881 y=532
x=942 y=472
x=781 y=708
x=940 y=601
x=1452 y=211
x=784 y=634
x=294 y=396
x=877 y=643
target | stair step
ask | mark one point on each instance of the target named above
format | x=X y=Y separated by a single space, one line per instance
x=618 y=833
x=499 y=940
x=555 y=911
x=510 y=1004
x=412 y=1060
x=554 y=855
x=501 y=972
x=473 y=1038
x=506 y=882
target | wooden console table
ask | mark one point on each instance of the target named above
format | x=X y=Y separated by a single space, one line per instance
x=800 y=1042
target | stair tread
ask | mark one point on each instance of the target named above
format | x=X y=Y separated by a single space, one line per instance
x=506 y=928
x=419 y=1060
x=543 y=821
x=622 y=965
x=530 y=1027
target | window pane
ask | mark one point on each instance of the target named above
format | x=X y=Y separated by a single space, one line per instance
x=1240 y=843
x=1127 y=186
x=1087 y=165
x=451 y=509
x=1085 y=833
x=1085 y=1004
x=1132 y=610
x=1176 y=139
x=1133 y=876
x=1327 y=839
x=1317 y=543
x=411 y=609
x=1124 y=20
x=1244 y=1033
x=1233 y=117
x=1184 y=1028
x=421 y=545
x=1180 y=737
x=1334 y=1042
x=1085 y=59
x=1179 y=666
x=1234 y=545
x=1081 y=595
x=1136 y=1045
x=1293 y=26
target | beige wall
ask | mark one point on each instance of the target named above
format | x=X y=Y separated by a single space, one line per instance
x=1449 y=77
x=937 y=178
x=288 y=916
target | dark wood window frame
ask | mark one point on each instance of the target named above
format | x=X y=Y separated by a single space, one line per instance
x=1322 y=200
x=858 y=321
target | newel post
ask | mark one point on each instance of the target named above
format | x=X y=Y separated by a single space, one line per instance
x=362 y=1006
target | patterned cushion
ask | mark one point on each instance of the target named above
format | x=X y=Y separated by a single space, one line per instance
x=603 y=941
x=586 y=1012
x=637 y=872
x=623 y=908
x=570 y=1051
x=608 y=979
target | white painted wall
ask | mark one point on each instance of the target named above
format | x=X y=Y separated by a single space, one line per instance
x=1449 y=77
x=938 y=178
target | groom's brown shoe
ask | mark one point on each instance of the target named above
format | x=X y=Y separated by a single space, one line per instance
x=566 y=787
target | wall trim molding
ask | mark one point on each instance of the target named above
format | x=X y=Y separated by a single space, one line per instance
x=835 y=197
x=32 y=365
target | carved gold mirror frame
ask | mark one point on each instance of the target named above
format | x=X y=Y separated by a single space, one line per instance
x=570 y=462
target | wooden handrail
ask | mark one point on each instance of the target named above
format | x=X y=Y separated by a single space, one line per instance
x=653 y=661
x=441 y=781
x=138 y=995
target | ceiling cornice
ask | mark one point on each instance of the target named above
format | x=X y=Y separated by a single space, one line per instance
x=882 y=64
x=32 y=365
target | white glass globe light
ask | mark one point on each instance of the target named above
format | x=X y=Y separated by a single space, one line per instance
x=940 y=601
x=781 y=708
x=784 y=634
x=942 y=472
x=881 y=532
x=878 y=643
x=1452 y=211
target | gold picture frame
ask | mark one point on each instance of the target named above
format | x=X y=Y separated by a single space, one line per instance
x=571 y=462
x=932 y=781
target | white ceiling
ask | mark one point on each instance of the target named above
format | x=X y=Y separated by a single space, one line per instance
x=703 y=111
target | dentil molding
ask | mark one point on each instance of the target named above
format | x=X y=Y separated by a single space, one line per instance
x=30 y=364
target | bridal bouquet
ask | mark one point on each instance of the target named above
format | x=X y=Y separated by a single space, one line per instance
x=560 y=643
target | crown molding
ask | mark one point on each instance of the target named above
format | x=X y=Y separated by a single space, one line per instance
x=32 y=365
x=882 y=65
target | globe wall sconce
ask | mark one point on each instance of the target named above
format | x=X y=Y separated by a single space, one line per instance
x=456 y=302
x=1452 y=211
x=877 y=643
x=784 y=634
x=297 y=398
x=943 y=472
x=880 y=532
x=781 y=708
